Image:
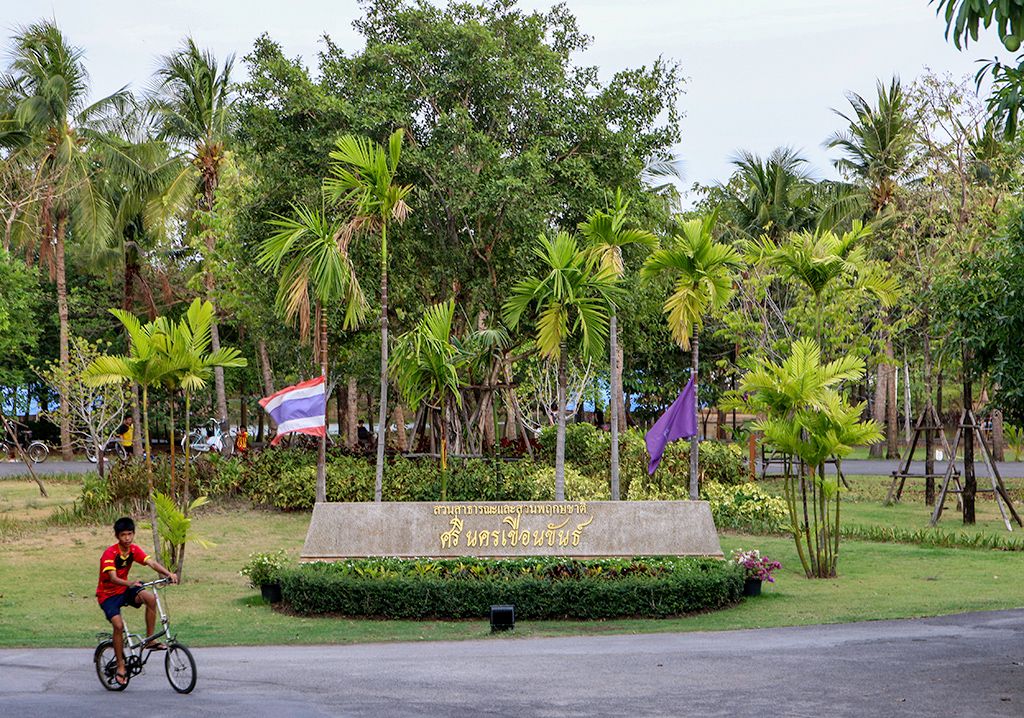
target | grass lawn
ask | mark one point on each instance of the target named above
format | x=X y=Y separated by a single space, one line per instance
x=48 y=576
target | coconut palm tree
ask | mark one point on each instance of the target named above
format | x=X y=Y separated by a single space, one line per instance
x=807 y=416
x=362 y=181
x=53 y=128
x=573 y=297
x=192 y=104
x=772 y=195
x=878 y=144
x=701 y=270
x=426 y=367
x=309 y=253
x=149 y=362
x=606 y=234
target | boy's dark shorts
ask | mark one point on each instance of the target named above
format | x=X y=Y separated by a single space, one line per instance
x=112 y=606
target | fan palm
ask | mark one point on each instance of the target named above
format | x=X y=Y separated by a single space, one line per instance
x=701 y=270
x=309 y=253
x=192 y=104
x=606 y=234
x=362 y=181
x=426 y=368
x=806 y=416
x=573 y=297
x=51 y=128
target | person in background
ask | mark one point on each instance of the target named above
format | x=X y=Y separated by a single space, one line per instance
x=242 y=440
x=126 y=432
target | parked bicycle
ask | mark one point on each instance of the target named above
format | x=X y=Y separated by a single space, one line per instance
x=37 y=450
x=203 y=440
x=112 y=448
x=179 y=665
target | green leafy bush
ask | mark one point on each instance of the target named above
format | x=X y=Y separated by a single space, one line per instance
x=587 y=448
x=540 y=588
x=721 y=463
x=264 y=568
x=745 y=507
x=578 y=486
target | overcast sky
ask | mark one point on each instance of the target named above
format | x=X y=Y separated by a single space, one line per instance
x=762 y=73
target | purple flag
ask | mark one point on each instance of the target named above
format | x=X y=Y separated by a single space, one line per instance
x=678 y=422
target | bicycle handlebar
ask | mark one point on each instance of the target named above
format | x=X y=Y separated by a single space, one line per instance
x=157 y=582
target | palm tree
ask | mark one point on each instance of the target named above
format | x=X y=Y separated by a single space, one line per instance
x=606 y=234
x=53 y=129
x=362 y=181
x=770 y=195
x=821 y=260
x=573 y=296
x=149 y=362
x=877 y=144
x=189 y=349
x=426 y=367
x=309 y=252
x=807 y=416
x=702 y=273
x=192 y=102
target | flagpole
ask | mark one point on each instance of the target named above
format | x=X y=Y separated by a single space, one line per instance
x=321 y=459
x=695 y=439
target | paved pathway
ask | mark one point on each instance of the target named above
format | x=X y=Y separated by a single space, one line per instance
x=967 y=665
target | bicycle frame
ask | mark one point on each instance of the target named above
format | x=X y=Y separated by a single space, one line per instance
x=134 y=643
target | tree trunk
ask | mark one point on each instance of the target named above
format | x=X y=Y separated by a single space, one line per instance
x=351 y=409
x=970 y=482
x=560 y=432
x=695 y=439
x=218 y=380
x=907 y=409
x=137 y=449
x=998 y=445
x=265 y=370
x=615 y=392
x=929 y=447
x=321 y=457
x=381 y=431
x=401 y=440
x=892 y=426
x=66 y=450
x=878 y=408
x=339 y=410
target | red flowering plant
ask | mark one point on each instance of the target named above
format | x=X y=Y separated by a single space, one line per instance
x=755 y=565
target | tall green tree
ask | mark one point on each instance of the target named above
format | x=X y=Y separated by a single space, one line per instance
x=573 y=297
x=192 y=100
x=309 y=253
x=702 y=271
x=606 y=233
x=54 y=128
x=362 y=181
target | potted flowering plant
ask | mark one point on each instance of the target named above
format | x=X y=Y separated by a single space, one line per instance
x=756 y=568
x=262 y=570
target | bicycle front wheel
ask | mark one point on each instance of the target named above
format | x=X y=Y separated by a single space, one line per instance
x=37 y=451
x=180 y=667
x=106 y=667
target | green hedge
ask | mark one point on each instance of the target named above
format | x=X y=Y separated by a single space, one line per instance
x=540 y=588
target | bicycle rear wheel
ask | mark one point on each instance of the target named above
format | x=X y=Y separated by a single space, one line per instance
x=37 y=451
x=106 y=667
x=180 y=667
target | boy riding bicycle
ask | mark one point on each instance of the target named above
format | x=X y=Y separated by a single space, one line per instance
x=115 y=590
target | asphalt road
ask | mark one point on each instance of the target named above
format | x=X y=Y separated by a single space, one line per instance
x=967 y=665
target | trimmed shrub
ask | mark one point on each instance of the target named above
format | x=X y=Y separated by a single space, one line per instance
x=578 y=486
x=745 y=507
x=587 y=448
x=721 y=463
x=540 y=588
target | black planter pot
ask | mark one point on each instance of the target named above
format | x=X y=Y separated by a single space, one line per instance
x=272 y=592
x=752 y=587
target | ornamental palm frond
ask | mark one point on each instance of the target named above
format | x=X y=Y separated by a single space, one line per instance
x=702 y=273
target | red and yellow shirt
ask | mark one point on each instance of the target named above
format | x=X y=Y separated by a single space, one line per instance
x=120 y=563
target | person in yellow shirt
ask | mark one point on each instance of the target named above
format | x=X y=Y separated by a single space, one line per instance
x=127 y=432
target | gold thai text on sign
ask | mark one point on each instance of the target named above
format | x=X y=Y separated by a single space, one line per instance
x=509 y=528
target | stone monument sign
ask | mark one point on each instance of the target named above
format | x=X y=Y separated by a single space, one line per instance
x=513 y=528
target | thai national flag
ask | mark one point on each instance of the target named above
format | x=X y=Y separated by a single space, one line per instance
x=301 y=408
